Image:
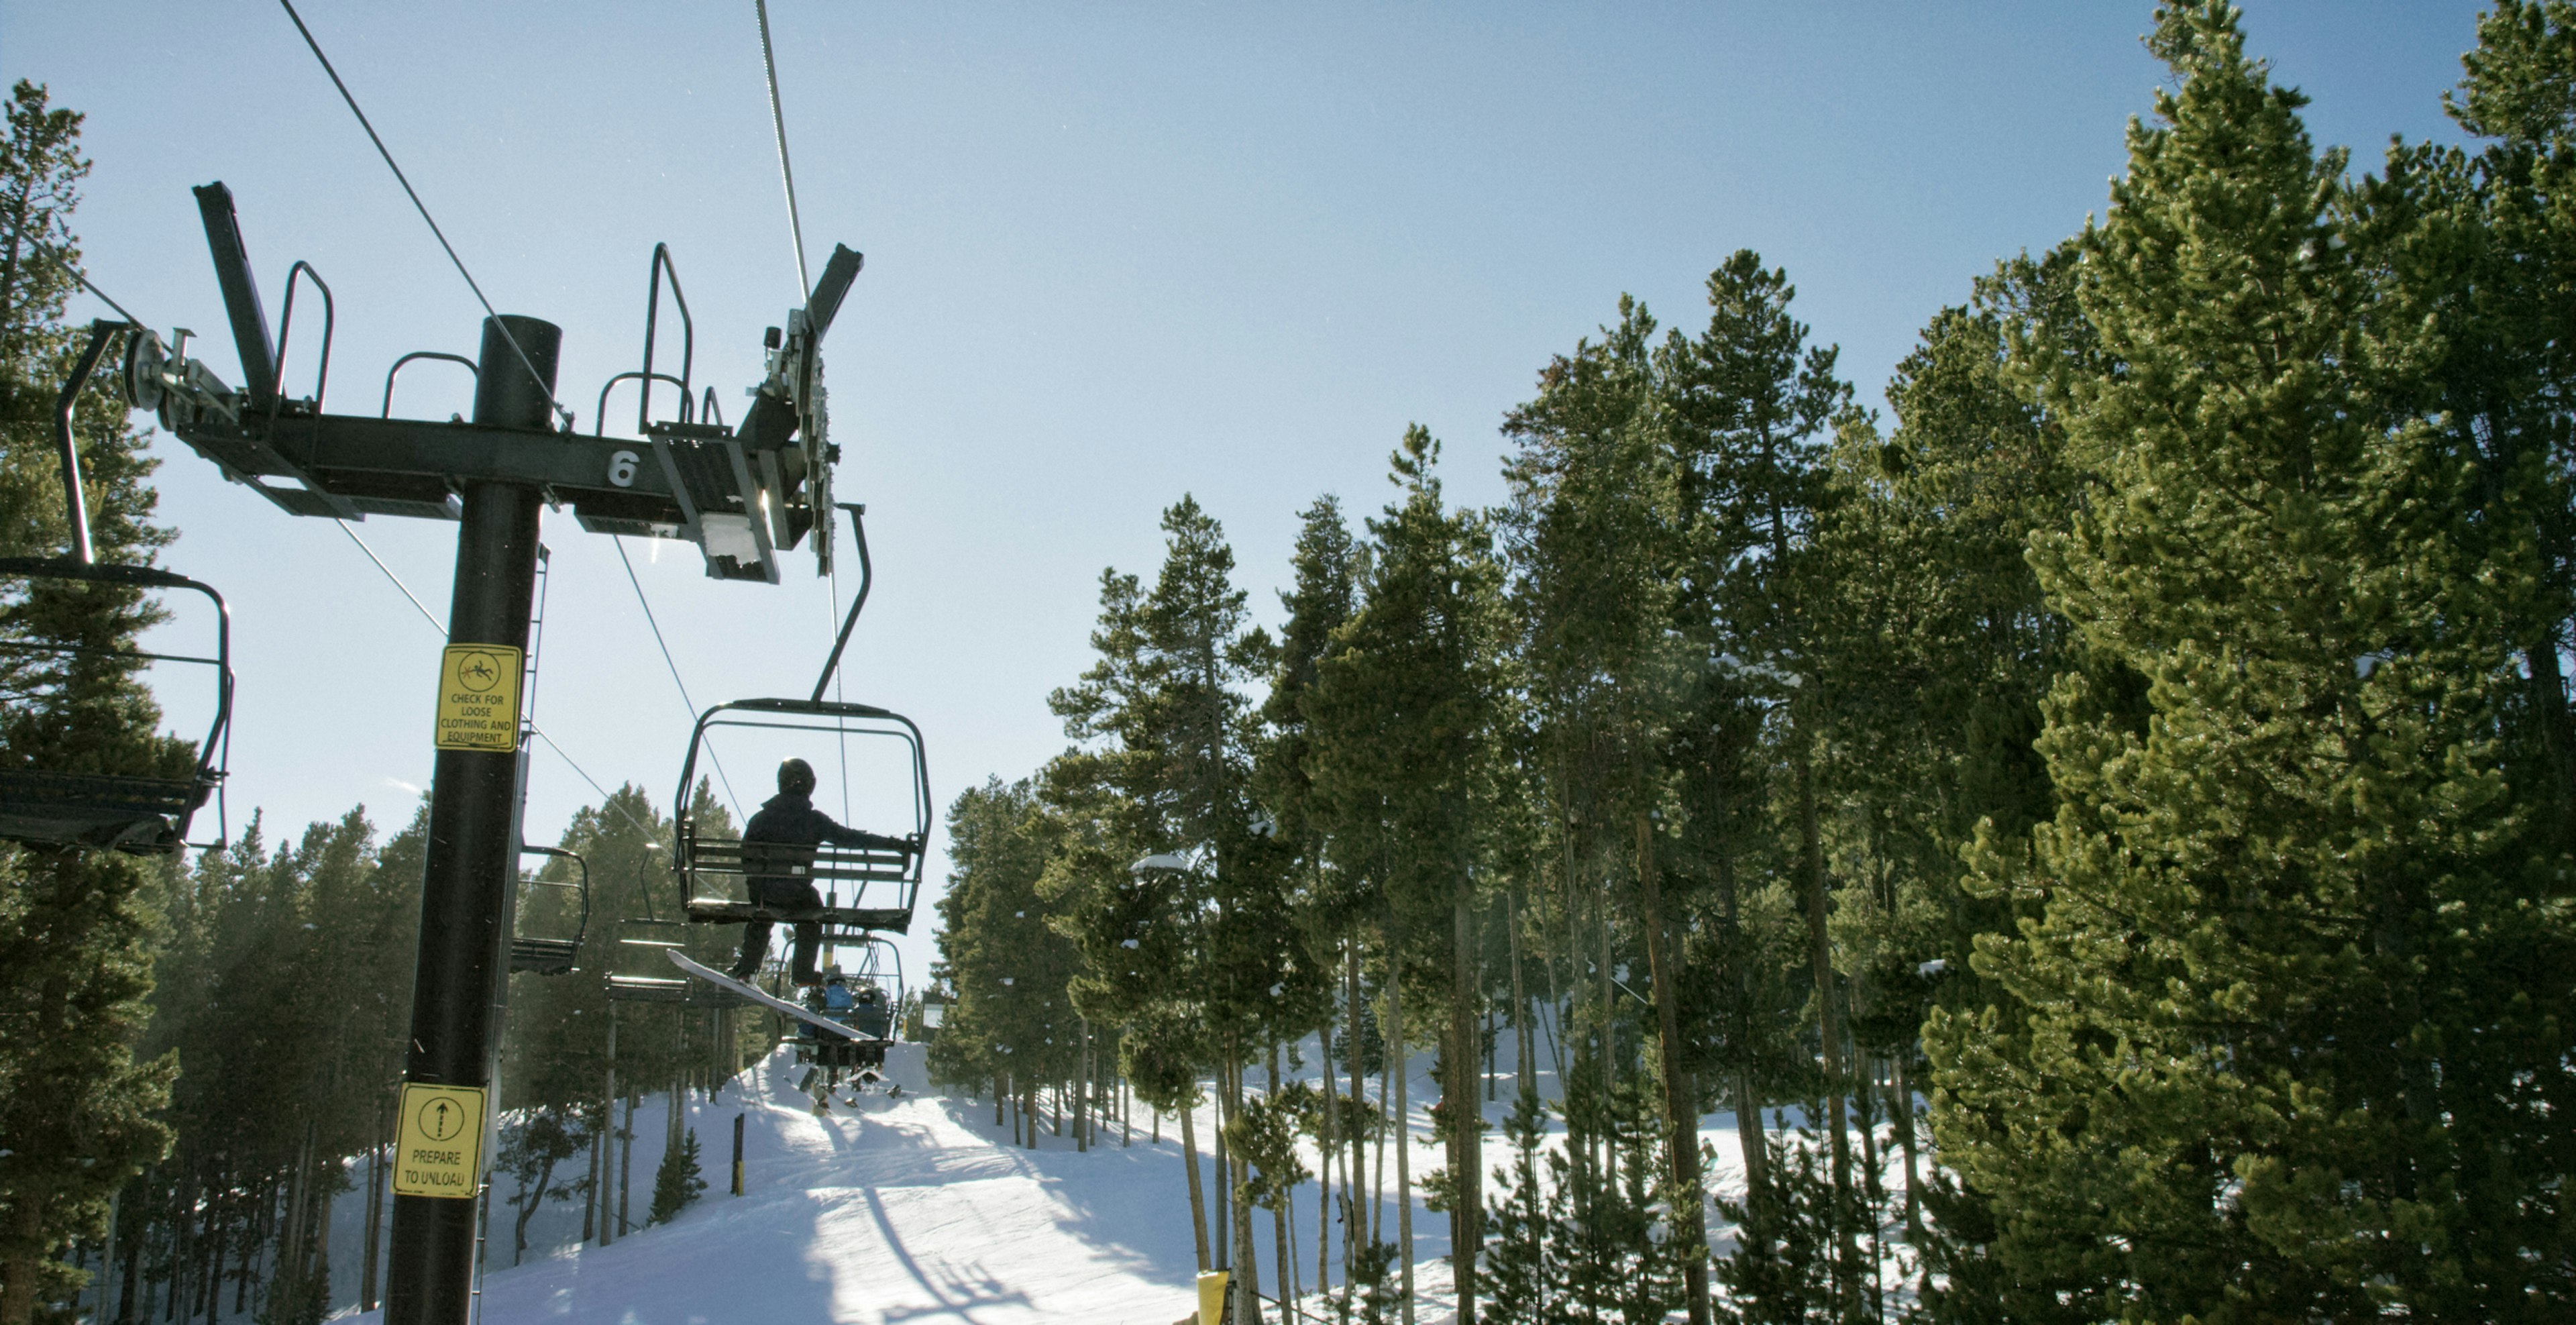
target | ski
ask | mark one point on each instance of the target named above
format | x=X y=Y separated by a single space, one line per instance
x=726 y=982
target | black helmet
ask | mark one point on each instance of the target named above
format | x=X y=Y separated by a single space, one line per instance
x=796 y=777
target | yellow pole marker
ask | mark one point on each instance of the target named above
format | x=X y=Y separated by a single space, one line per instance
x=1212 y=1297
x=478 y=698
x=439 y=1151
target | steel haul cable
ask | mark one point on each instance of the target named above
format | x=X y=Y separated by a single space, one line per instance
x=667 y=661
x=423 y=209
x=605 y=798
x=778 y=122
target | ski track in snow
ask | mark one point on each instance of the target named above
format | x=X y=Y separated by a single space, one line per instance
x=914 y=1209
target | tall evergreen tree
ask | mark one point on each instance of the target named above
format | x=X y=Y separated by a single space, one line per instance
x=1403 y=722
x=2285 y=1008
x=75 y=926
x=1171 y=729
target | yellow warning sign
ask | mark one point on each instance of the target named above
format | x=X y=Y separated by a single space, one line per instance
x=478 y=698
x=439 y=1149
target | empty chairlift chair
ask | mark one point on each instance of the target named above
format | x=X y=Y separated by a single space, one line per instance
x=141 y=804
x=543 y=955
x=642 y=971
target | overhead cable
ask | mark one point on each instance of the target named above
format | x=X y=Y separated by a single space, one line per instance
x=667 y=661
x=605 y=799
x=417 y=605
x=76 y=274
x=423 y=208
x=778 y=122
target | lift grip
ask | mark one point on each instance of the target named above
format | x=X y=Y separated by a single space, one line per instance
x=241 y=294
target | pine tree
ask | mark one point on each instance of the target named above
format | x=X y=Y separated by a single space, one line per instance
x=676 y=1182
x=1783 y=1268
x=2278 y=1018
x=75 y=926
x=1166 y=769
x=1754 y=406
x=1523 y=1277
x=1402 y=720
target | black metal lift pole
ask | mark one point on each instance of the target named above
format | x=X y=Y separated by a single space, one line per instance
x=473 y=848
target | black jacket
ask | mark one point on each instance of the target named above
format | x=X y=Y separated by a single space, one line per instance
x=790 y=819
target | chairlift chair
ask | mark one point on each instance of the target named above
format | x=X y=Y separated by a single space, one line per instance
x=881 y=884
x=872 y=888
x=138 y=811
x=554 y=956
x=641 y=971
x=877 y=987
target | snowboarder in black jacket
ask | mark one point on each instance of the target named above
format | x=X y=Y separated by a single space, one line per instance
x=781 y=838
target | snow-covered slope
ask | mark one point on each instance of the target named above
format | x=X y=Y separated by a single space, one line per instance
x=910 y=1208
x=915 y=1207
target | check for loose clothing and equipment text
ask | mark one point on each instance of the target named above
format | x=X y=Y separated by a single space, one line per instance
x=478 y=698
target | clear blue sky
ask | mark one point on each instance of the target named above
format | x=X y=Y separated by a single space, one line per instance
x=1115 y=254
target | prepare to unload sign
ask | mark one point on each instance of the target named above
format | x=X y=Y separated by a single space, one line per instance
x=478 y=698
x=439 y=1149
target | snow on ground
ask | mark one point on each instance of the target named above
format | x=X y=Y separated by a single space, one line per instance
x=919 y=1208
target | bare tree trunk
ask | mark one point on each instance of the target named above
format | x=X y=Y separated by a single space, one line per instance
x=1238 y=1171
x=608 y=1154
x=1281 y=1215
x=1403 y=1132
x=254 y=1226
x=1748 y=1102
x=1466 y=1149
x=1356 y=1228
x=1811 y=870
x=320 y=1260
x=211 y=1291
x=1681 y=1103
x=1524 y=1053
x=18 y=1268
x=625 y=1162
x=1327 y=1149
x=131 y=1270
x=1902 y=1108
x=1198 y=1198
x=1864 y=1086
x=591 y=1188
x=375 y=1215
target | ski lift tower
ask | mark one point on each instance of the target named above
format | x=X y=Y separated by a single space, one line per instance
x=743 y=495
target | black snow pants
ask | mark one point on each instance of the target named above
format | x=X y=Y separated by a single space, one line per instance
x=781 y=893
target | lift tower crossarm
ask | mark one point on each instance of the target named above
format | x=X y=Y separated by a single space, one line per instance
x=413 y=466
x=741 y=494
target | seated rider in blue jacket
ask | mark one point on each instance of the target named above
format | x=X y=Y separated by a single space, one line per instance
x=790 y=827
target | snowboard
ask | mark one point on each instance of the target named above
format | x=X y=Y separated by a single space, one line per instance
x=730 y=985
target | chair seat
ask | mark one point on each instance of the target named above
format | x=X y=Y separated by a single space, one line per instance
x=543 y=956
x=690 y=993
x=137 y=815
x=717 y=911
